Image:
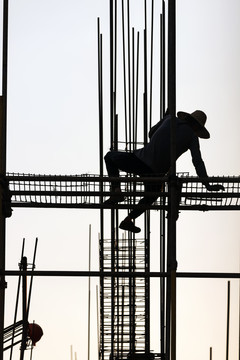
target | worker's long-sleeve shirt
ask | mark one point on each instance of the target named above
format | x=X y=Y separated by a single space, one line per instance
x=157 y=155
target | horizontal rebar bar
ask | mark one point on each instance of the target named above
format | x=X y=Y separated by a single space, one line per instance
x=101 y=179
x=153 y=274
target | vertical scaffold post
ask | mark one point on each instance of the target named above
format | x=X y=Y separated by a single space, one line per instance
x=172 y=216
x=3 y=126
x=23 y=267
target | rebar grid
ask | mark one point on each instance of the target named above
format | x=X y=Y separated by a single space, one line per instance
x=129 y=256
x=87 y=190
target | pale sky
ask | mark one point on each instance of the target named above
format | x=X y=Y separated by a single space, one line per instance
x=53 y=129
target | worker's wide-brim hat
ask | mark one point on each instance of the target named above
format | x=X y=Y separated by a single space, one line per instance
x=197 y=121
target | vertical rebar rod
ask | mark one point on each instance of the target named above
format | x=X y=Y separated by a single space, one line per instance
x=133 y=88
x=130 y=293
x=151 y=67
x=101 y=245
x=124 y=74
x=162 y=212
x=172 y=183
x=115 y=50
x=134 y=291
x=162 y=280
x=112 y=281
x=136 y=101
x=100 y=99
x=210 y=353
x=123 y=317
x=17 y=300
x=238 y=320
x=145 y=90
x=145 y=98
x=31 y=280
x=89 y=292
x=115 y=117
x=118 y=287
x=24 y=307
x=129 y=78
x=161 y=66
x=163 y=60
x=98 y=327
x=228 y=321
x=3 y=136
x=111 y=71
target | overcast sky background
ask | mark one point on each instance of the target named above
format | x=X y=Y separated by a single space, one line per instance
x=53 y=129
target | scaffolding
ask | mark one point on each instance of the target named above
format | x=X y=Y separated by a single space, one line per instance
x=91 y=190
x=124 y=262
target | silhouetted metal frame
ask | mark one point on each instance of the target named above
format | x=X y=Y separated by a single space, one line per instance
x=171 y=251
x=139 y=274
x=163 y=200
x=24 y=306
x=100 y=105
x=3 y=133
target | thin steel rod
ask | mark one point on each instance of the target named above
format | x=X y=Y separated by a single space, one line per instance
x=24 y=305
x=3 y=151
x=31 y=280
x=197 y=275
x=163 y=60
x=171 y=256
x=98 y=326
x=89 y=292
x=124 y=74
x=162 y=212
x=130 y=301
x=162 y=280
x=228 y=320
x=151 y=67
x=161 y=66
x=133 y=88
x=100 y=90
x=129 y=77
x=112 y=279
x=115 y=50
x=16 y=305
x=238 y=320
x=145 y=107
x=92 y=178
x=100 y=99
x=137 y=92
x=188 y=195
x=5 y=50
x=122 y=334
x=147 y=281
x=111 y=72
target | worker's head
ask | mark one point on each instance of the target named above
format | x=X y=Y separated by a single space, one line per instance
x=197 y=122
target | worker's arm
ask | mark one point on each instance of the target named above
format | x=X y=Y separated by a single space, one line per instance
x=200 y=166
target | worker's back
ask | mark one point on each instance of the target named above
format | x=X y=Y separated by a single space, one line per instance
x=156 y=154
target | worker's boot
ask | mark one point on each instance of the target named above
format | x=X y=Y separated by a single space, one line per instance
x=127 y=224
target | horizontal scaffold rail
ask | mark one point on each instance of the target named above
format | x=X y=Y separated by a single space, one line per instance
x=90 y=191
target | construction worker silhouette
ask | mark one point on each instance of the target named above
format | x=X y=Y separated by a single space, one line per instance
x=154 y=159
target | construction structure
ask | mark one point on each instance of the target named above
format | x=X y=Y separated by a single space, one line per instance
x=124 y=262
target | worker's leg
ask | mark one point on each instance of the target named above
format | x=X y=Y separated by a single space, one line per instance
x=128 y=162
x=147 y=200
x=127 y=223
x=124 y=161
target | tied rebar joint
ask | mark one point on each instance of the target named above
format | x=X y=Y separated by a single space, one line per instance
x=3 y=284
x=5 y=197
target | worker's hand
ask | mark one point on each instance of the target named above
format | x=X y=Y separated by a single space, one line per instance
x=215 y=187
